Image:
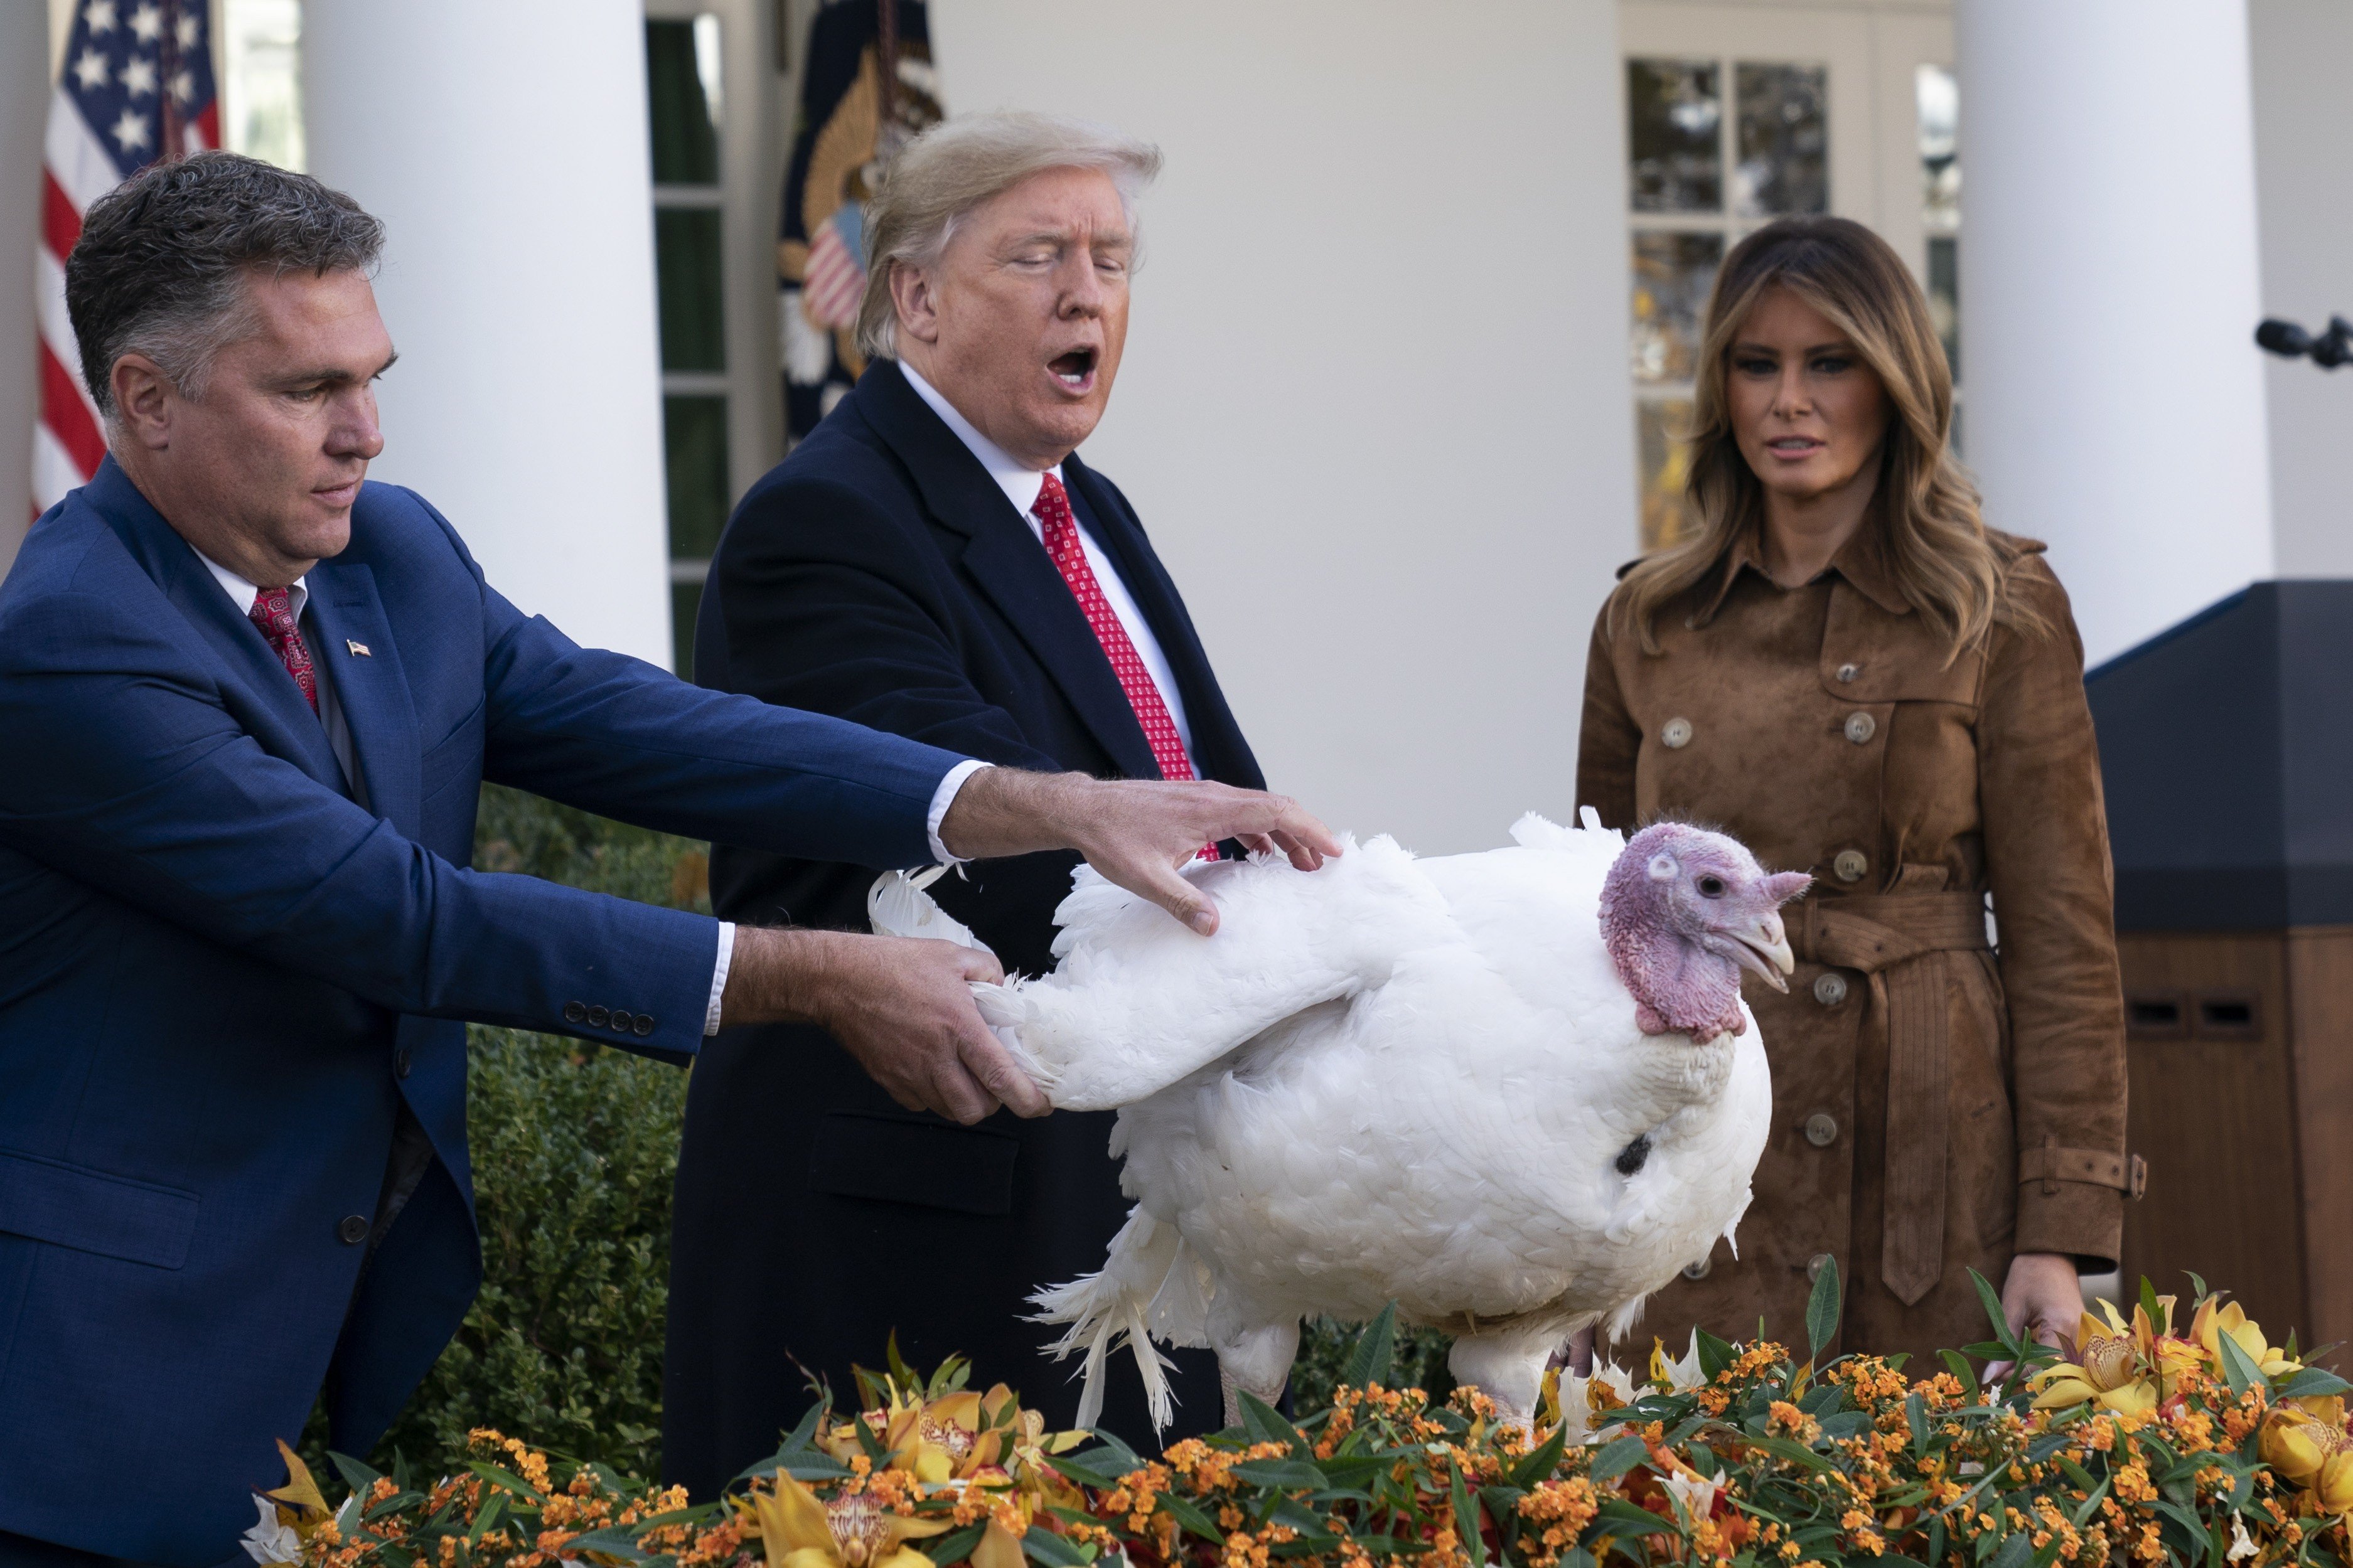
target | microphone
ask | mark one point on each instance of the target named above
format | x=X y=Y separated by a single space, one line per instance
x=2329 y=350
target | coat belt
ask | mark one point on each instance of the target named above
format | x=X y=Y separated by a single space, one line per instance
x=1899 y=941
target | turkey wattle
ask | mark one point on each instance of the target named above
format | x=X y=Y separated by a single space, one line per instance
x=1513 y=1091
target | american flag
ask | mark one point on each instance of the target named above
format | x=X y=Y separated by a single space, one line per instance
x=136 y=86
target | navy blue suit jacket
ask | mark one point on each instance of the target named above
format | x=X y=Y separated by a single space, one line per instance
x=220 y=976
x=880 y=574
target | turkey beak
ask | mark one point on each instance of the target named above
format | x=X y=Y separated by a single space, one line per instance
x=1764 y=951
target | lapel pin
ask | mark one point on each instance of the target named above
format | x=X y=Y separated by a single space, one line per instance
x=359 y=649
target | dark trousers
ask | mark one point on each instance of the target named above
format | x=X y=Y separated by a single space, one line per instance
x=23 y=1552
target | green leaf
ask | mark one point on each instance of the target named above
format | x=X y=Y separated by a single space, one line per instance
x=2149 y=1304
x=1616 y=1458
x=2076 y=1473
x=1992 y=1300
x=1958 y=1365
x=1109 y=1450
x=2014 y=1552
x=1283 y=1475
x=1374 y=1358
x=2091 y=1503
x=1188 y=1513
x=2311 y=1382
x=1466 y=1522
x=952 y=1547
x=618 y=1541
x=1266 y=1424
x=1915 y=1415
x=1042 y=1545
x=505 y=1479
x=356 y=1475
x=1074 y=1467
x=1617 y=1517
x=1716 y=1355
x=1796 y=1453
x=1822 y=1309
x=1543 y=1461
x=2238 y=1369
x=2197 y=1284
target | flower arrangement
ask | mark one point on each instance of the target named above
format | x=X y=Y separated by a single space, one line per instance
x=2199 y=1447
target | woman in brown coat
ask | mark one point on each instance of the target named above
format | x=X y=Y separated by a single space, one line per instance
x=1850 y=672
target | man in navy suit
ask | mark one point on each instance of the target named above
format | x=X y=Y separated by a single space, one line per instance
x=936 y=561
x=248 y=701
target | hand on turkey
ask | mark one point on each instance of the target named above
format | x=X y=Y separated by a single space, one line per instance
x=903 y=1007
x=1135 y=832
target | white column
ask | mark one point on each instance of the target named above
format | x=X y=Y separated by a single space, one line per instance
x=2109 y=295
x=1374 y=407
x=24 y=111
x=505 y=147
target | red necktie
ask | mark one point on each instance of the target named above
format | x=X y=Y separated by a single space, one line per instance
x=1060 y=531
x=273 y=612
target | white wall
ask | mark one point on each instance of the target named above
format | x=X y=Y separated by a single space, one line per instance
x=504 y=146
x=2304 y=173
x=2110 y=291
x=1374 y=405
x=24 y=111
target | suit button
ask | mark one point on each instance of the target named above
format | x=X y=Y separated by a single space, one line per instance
x=1851 y=865
x=1861 y=727
x=1821 y=1127
x=1815 y=1265
x=353 y=1231
x=1849 y=671
x=402 y=1062
x=1675 y=735
x=1829 y=989
x=622 y=1020
x=575 y=1013
x=598 y=1017
x=1700 y=1270
x=643 y=1026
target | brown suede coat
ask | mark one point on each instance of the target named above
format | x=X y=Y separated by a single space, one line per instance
x=1937 y=1105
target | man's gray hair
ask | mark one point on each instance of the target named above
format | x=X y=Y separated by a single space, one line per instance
x=957 y=165
x=160 y=266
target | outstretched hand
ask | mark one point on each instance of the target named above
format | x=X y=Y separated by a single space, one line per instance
x=1136 y=833
x=901 y=1006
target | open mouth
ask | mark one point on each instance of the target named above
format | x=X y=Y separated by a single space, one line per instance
x=1075 y=370
x=1764 y=951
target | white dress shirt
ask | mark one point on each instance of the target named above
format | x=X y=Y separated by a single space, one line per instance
x=1022 y=486
x=244 y=595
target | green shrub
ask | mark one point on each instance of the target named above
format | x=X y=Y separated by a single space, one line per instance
x=574 y=1148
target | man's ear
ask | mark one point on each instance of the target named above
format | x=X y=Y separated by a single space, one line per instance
x=143 y=396
x=915 y=302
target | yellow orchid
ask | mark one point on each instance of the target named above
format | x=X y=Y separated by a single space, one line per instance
x=2110 y=1368
x=852 y=1531
x=2315 y=1453
x=934 y=1441
x=2215 y=1318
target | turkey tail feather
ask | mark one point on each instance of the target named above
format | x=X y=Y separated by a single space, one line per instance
x=1116 y=1303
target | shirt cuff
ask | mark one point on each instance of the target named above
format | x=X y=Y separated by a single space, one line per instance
x=718 y=977
x=945 y=797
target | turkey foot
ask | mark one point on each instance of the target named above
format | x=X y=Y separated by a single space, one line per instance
x=1507 y=1368
x=1258 y=1359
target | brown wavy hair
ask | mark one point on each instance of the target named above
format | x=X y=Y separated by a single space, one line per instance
x=1924 y=508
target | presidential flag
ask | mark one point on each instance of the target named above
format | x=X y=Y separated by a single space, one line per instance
x=136 y=85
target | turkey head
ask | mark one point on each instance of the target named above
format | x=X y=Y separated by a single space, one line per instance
x=1683 y=911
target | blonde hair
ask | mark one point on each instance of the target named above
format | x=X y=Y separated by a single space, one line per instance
x=960 y=163
x=1925 y=508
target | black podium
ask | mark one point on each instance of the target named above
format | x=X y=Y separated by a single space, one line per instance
x=2227 y=749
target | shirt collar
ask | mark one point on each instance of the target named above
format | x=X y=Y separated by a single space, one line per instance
x=1019 y=484
x=1862 y=561
x=243 y=594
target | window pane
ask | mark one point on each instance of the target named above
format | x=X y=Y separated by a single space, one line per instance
x=1672 y=273
x=1666 y=465
x=1939 y=97
x=685 y=120
x=1674 y=110
x=1784 y=140
x=685 y=602
x=687 y=271
x=1944 y=298
x=694 y=452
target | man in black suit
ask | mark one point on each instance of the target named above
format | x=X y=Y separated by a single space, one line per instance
x=936 y=561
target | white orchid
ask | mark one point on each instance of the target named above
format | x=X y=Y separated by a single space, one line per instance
x=1582 y=1413
x=1683 y=1376
x=270 y=1542
x=2241 y=1545
x=1696 y=1493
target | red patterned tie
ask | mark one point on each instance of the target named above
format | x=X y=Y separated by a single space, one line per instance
x=1061 y=528
x=273 y=612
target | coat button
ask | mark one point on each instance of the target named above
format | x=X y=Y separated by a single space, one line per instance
x=1700 y=1270
x=643 y=1026
x=1675 y=735
x=622 y=1019
x=575 y=1013
x=1851 y=865
x=598 y=1017
x=401 y=1062
x=1829 y=989
x=1849 y=671
x=1821 y=1127
x=354 y=1230
x=1815 y=1265
x=1861 y=727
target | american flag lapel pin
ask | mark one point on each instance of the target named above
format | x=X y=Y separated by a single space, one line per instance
x=359 y=649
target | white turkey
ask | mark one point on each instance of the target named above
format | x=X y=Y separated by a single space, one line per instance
x=1512 y=1091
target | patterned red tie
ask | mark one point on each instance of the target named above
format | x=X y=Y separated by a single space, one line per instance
x=1061 y=528
x=273 y=612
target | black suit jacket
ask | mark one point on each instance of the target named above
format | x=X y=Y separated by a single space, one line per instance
x=879 y=573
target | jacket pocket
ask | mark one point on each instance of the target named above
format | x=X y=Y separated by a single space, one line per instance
x=896 y=1160
x=89 y=1211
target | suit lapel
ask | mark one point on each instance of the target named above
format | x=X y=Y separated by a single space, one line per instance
x=356 y=651
x=260 y=694
x=1005 y=560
